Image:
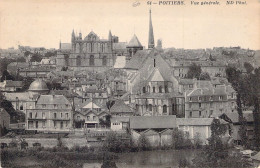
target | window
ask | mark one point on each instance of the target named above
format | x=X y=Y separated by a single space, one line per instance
x=166 y=89
x=78 y=117
x=55 y=115
x=21 y=107
x=199 y=98
x=54 y=123
x=211 y=104
x=190 y=98
x=36 y=115
x=153 y=89
x=94 y=118
x=220 y=97
x=173 y=109
x=66 y=60
x=36 y=124
x=78 y=61
x=30 y=115
x=211 y=97
x=60 y=115
x=154 y=63
x=55 y=105
x=44 y=106
x=199 y=104
x=104 y=61
x=61 y=125
x=150 y=107
x=67 y=123
x=88 y=117
x=190 y=114
x=148 y=89
x=43 y=124
x=43 y=115
x=164 y=108
x=160 y=89
x=92 y=60
x=211 y=112
x=67 y=115
x=143 y=89
x=190 y=105
x=199 y=113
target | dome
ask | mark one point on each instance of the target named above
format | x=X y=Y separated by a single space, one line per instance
x=38 y=85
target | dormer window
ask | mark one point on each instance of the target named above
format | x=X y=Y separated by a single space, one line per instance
x=220 y=97
x=190 y=98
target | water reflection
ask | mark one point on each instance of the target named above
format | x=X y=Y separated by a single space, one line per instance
x=151 y=159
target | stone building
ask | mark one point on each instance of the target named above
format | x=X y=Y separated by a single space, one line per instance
x=52 y=113
x=90 y=53
x=204 y=102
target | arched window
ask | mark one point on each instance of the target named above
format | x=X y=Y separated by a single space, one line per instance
x=148 y=89
x=164 y=108
x=160 y=89
x=78 y=60
x=91 y=60
x=143 y=89
x=66 y=57
x=91 y=47
x=166 y=88
x=173 y=109
x=150 y=107
x=153 y=89
x=104 y=61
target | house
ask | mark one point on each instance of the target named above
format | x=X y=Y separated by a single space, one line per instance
x=152 y=127
x=4 y=119
x=52 y=113
x=121 y=109
x=207 y=101
x=11 y=86
x=26 y=100
x=90 y=113
x=199 y=127
x=119 y=123
x=166 y=137
x=233 y=118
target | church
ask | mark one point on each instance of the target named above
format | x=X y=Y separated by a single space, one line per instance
x=90 y=53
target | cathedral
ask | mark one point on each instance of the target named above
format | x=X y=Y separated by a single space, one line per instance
x=92 y=53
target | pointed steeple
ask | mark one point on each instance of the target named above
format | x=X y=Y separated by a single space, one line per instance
x=110 y=36
x=73 y=35
x=60 y=43
x=151 y=37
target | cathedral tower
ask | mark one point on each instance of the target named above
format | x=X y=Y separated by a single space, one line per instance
x=151 y=37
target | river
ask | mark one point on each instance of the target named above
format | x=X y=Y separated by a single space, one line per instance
x=149 y=159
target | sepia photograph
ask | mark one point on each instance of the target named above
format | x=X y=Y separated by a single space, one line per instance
x=129 y=84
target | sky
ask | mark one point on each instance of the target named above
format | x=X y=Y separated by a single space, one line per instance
x=43 y=23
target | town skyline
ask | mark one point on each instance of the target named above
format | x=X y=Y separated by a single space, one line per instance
x=46 y=23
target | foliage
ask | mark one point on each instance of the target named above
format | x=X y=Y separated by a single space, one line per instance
x=106 y=122
x=204 y=76
x=194 y=71
x=249 y=68
x=180 y=139
x=112 y=143
x=79 y=123
x=248 y=94
x=183 y=163
x=6 y=76
x=36 y=57
x=50 y=54
x=143 y=143
x=197 y=140
x=27 y=82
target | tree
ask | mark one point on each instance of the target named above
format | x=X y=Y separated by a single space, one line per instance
x=112 y=142
x=249 y=68
x=36 y=57
x=27 y=82
x=194 y=71
x=106 y=122
x=6 y=76
x=204 y=76
x=143 y=143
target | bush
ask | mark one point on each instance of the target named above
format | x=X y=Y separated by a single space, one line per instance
x=180 y=139
x=197 y=141
x=143 y=143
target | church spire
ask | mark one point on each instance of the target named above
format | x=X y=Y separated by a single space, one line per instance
x=151 y=38
x=110 y=36
x=73 y=35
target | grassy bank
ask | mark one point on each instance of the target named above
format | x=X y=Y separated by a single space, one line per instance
x=54 y=157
